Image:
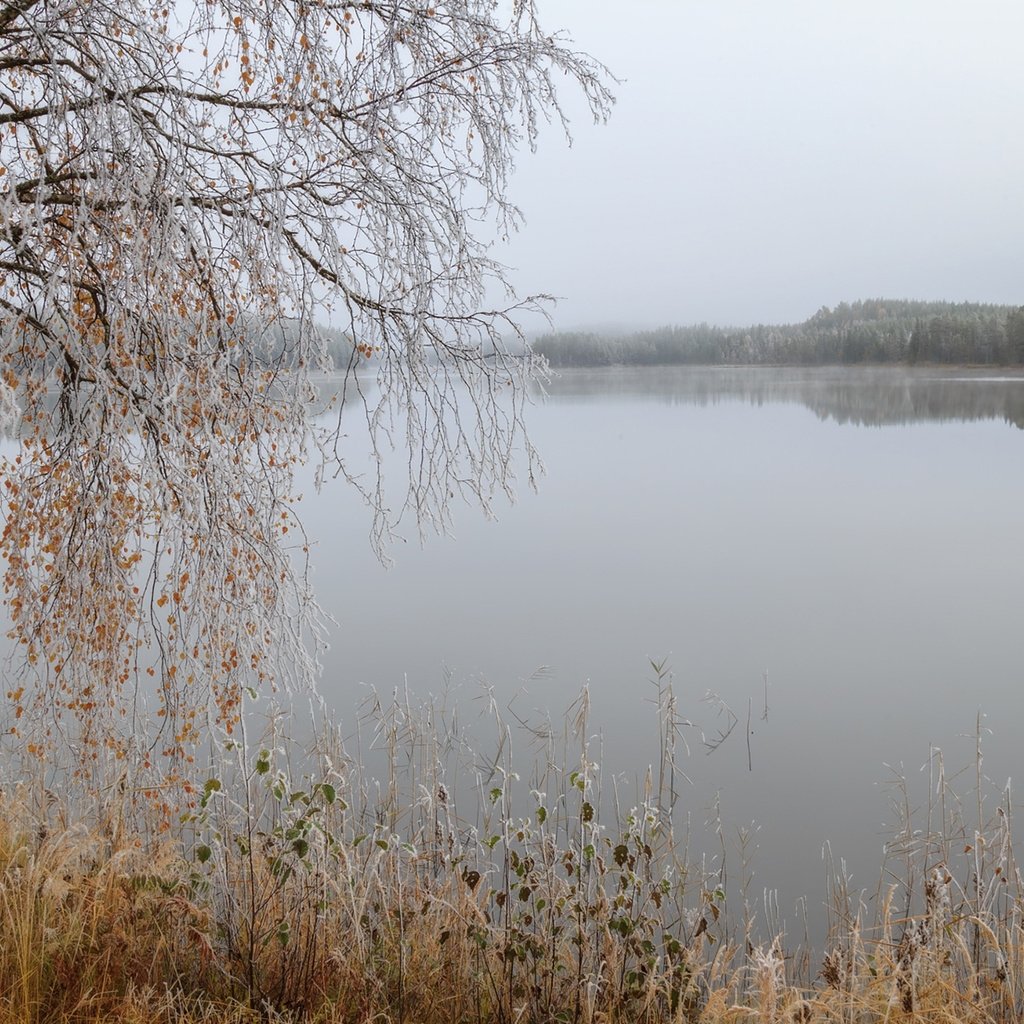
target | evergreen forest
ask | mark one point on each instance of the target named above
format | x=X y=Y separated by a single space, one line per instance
x=872 y=331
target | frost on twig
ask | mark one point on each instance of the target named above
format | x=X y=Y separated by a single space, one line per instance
x=186 y=191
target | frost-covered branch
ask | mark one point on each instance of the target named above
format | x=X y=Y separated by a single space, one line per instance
x=186 y=191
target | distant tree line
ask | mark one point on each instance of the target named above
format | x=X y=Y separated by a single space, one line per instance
x=873 y=331
x=278 y=345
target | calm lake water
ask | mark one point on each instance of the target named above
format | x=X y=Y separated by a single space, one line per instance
x=856 y=535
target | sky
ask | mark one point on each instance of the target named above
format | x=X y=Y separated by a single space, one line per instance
x=768 y=157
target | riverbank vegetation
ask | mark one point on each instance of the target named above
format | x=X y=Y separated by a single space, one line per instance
x=875 y=331
x=452 y=890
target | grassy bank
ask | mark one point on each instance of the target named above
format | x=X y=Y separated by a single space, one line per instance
x=330 y=896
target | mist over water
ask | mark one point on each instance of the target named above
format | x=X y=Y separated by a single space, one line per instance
x=854 y=534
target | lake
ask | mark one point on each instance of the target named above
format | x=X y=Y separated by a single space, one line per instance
x=854 y=535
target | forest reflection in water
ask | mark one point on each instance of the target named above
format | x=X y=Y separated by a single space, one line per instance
x=883 y=396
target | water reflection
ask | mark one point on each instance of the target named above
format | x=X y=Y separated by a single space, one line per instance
x=734 y=521
x=863 y=397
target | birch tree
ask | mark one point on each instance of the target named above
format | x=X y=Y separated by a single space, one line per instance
x=186 y=191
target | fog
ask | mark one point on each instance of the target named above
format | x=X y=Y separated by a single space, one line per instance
x=766 y=159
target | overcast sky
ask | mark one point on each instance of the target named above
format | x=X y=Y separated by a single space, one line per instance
x=768 y=157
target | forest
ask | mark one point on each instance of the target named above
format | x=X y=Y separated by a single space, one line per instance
x=872 y=331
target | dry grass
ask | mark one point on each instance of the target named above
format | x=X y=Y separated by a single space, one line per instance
x=332 y=899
